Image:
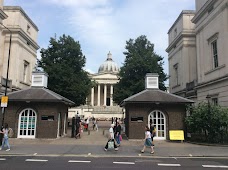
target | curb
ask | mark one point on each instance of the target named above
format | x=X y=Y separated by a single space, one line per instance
x=207 y=144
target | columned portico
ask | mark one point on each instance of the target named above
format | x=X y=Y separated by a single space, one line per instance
x=102 y=95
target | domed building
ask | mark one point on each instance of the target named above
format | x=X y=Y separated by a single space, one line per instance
x=100 y=102
x=109 y=66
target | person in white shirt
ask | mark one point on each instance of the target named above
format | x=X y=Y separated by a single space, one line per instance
x=111 y=138
x=5 y=140
x=147 y=140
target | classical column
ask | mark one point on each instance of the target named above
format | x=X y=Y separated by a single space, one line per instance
x=92 y=96
x=111 y=95
x=105 y=94
x=98 y=95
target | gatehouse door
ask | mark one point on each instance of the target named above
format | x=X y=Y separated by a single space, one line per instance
x=27 y=123
x=158 y=119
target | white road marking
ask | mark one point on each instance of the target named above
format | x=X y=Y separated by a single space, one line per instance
x=35 y=154
x=169 y=165
x=75 y=161
x=214 y=166
x=2 y=159
x=36 y=160
x=127 y=163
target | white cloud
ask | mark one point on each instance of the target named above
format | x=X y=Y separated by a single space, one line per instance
x=79 y=3
x=105 y=25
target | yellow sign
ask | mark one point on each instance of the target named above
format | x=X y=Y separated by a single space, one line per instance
x=4 y=101
x=176 y=135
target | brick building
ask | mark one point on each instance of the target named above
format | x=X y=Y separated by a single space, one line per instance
x=164 y=110
x=37 y=112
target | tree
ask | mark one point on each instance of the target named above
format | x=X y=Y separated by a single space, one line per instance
x=140 y=59
x=209 y=121
x=63 y=60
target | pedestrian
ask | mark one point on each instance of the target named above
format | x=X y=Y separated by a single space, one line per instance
x=78 y=127
x=152 y=132
x=5 y=140
x=87 y=123
x=147 y=140
x=96 y=124
x=118 y=133
x=111 y=139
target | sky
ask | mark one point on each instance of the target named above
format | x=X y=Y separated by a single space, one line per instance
x=101 y=26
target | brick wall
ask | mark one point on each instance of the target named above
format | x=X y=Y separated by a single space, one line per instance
x=175 y=115
x=44 y=128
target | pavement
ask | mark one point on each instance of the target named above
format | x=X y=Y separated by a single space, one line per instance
x=92 y=144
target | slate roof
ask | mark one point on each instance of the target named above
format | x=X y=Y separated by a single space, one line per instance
x=38 y=94
x=155 y=96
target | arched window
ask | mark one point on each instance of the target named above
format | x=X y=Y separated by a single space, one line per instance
x=27 y=123
x=157 y=118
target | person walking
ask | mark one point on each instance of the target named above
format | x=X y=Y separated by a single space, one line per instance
x=118 y=133
x=147 y=140
x=152 y=132
x=96 y=124
x=5 y=140
x=111 y=138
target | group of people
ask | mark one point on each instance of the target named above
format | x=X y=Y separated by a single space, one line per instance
x=114 y=136
x=84 y=124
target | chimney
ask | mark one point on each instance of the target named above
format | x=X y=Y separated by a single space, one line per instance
x=39 y=79
x=152 y=81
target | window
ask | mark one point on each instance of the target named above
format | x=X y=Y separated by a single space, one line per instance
x=28 y=29
x=25 y=71
x=175 y=32
x=214 y=53
x=215 y=101
x=176 y=73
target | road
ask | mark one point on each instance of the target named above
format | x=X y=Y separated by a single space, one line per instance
x=97 y=163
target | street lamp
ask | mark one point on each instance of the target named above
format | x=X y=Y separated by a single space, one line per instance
x=7 y=73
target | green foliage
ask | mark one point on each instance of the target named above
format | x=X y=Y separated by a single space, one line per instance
x=140 y=59
x=63 y=60
x=209 y=120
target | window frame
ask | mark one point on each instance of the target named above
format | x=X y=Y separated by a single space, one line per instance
x=25 y=71
x=214 y=52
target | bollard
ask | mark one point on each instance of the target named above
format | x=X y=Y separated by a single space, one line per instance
x=88 y=132
x=103 y=132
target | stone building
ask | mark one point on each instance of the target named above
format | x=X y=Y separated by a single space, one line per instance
x=37 y=112
x=100 y=101
x=198 y=53
x=23 y=51
x=153 y=106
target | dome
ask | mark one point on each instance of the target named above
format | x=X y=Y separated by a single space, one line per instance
x=109 y=66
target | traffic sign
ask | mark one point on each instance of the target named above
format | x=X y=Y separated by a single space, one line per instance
x=4 y=101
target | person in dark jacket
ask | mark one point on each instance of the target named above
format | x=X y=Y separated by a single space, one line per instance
x=118 y=133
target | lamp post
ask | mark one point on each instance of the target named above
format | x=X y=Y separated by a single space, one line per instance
x=7 y=73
